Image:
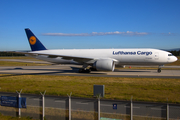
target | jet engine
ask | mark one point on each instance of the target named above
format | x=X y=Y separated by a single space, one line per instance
x=104 y=65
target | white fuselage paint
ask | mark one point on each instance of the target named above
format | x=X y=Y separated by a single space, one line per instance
x=120 y=56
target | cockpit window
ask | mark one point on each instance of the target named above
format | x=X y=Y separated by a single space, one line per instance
x=170 y=55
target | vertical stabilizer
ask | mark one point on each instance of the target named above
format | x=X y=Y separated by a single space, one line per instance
x=34 y=41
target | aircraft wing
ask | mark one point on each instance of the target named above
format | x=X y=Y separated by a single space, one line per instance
x=75 y=58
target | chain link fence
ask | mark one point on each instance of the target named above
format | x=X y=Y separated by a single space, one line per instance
x=57 y=108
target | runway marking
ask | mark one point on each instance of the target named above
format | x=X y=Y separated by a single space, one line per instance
x=157 y=109
x=133 y=107
x=82 y=103
x=60 y=101
x=36 y=99
x=106 y=105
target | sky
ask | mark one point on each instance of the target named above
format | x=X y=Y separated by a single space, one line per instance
x=90 y=24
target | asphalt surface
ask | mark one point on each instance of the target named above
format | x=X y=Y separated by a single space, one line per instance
x=72 y=70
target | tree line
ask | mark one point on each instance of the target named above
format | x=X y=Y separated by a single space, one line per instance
x=175 y=53
x=10 y=54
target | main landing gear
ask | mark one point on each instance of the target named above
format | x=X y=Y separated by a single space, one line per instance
x=159 y=70
x=84 y=70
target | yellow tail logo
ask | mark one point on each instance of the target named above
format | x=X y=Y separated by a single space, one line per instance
x=32 y=40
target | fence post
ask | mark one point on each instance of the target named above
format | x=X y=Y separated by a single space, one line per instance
x=131 y=108
x=19 y=96
x=167 y=111
x=43 y=105
x=69 y=105
x=99 y=107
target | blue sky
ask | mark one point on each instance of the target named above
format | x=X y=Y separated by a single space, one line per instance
x=80 y=24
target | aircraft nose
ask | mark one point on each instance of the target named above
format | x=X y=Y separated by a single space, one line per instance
x=175 y=58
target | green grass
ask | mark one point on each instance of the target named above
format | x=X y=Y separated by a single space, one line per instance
x=3 y=117
x=142 y=89
x=18 y=57
x=9 y=63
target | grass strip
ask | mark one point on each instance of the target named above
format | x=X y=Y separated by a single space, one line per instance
x=142 y=89
x=3 y=117
x=18 y=57
x=9 y=63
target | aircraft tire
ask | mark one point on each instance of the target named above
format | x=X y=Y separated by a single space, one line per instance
x=88 y=70
x=159 y=70
x=93 y=69
x=80 y=70
x=84 y=71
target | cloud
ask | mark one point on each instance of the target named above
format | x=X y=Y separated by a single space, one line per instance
x=128 y=33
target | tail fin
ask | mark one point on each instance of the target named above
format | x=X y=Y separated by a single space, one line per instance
x=34 y=41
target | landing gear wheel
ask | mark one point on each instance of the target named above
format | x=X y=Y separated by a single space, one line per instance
x=93 y=69
x=88 y=70
x=80 y=70
x=84 y=71
x=159 y=70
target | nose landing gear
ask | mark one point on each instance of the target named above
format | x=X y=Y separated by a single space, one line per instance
x=159 y=70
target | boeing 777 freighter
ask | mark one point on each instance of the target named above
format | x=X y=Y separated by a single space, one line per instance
x=98 y=59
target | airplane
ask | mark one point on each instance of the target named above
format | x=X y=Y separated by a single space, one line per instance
x=98 y=59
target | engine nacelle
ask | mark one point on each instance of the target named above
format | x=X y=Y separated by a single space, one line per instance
x=104 y=65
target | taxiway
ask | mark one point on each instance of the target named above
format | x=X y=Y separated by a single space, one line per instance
x=72 y=70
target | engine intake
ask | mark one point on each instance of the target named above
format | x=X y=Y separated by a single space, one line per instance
x=104 y=65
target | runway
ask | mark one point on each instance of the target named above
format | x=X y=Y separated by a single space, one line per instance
x=72 y=70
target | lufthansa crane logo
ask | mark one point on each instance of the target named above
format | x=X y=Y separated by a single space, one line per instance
x=32 y=40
